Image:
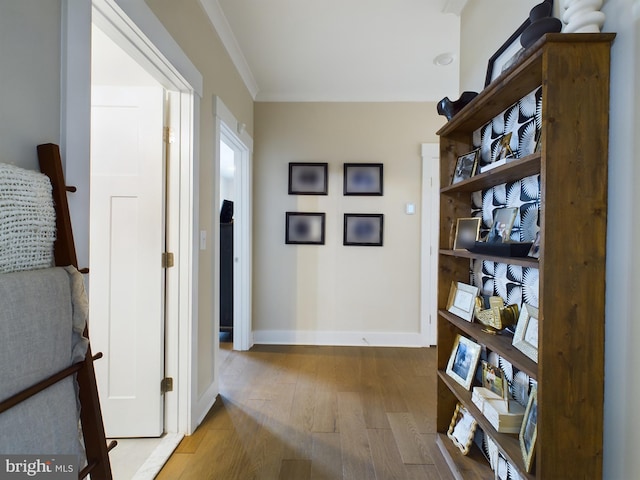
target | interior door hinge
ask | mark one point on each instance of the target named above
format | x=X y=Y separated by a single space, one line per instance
x=167 y=260
x=166 y=385
x=169 y=137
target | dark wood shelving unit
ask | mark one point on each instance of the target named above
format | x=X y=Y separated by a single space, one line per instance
x=573 y=71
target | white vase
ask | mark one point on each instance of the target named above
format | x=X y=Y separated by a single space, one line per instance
x=582 y=16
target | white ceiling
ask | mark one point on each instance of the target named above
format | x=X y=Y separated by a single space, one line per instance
x=341 y=50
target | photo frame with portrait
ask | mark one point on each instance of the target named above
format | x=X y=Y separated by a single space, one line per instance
x=463 y=361
x=363 y=179
x=466 y=166
x=467 y=232
x=308 y=178
x=529 y=430
x=363 y=229
x=304 y=228
x=503 y=220
x=525 y=338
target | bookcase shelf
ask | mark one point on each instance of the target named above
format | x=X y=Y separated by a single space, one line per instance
x=572 y=71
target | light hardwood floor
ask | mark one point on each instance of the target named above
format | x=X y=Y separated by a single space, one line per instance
x=317 y=413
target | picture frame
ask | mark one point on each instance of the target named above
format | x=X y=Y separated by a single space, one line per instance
x=529 y=430
x=363 y=179
x=494 y=380
x=308 y=178
x=462 y=428
x=363 y=229
x=462 y=300
x=463 y=361
x=505 y=56
x=503 y=220
x=466 y=166
x=525 y=337
x=304 y=228
x=467 y=232
x=503 y=145
x=534 y=252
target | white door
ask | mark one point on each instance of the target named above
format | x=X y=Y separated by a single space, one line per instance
x=127 y=240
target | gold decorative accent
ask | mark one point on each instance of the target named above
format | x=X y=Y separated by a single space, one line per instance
x=497 y=316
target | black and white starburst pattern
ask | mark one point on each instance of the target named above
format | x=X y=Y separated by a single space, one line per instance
x=527 y=138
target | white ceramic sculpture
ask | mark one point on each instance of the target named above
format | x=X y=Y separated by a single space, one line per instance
x=582 y=16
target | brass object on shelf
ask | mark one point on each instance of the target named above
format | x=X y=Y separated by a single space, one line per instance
x=497 y=316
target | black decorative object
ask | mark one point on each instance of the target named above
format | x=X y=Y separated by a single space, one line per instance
x=450 y=108
x=513 y=249
x=542 y=22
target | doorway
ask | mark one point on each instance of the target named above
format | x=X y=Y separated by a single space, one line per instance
x=127 y=240
x=234 y=160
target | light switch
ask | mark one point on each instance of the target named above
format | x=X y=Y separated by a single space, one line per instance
x=410 y=208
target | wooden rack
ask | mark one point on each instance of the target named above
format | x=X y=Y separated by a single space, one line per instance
x=96 y=448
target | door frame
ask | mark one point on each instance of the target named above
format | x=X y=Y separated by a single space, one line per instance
x=429 y=243
x=134 y=27
x=234 y=133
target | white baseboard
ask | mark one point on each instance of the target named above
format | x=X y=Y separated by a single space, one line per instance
x=203 y=405
x=362 y=339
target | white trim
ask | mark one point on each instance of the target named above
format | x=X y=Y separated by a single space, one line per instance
x=222 y=27
x=154 y=463
x=233 y=132
x=358 y=339
x=204 y=403
x=429 y=244
x=75 y=134
x=75 y=115
x=154 y=37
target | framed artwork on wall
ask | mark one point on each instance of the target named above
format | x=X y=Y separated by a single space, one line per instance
x=363 y=229
x=362 y=179
x=304 y=228
x=308 y=178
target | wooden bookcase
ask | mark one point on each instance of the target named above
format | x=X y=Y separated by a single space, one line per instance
x=573 y=70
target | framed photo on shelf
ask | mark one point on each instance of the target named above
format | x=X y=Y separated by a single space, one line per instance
x=462 y=300
x=363 y=229
x=463 y=361
x=308 y=178
x=529 y=430
x=462 y=428
x=503 y=220
x=503 y=147
x=304 y=228
x=534 y=252
x=466 y=166
x=506 y=55
x=363 y=179
x=493 y=379
x=467 y=231
x=525 y=338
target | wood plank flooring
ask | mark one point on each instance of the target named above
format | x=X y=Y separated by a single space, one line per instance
x=317 y=413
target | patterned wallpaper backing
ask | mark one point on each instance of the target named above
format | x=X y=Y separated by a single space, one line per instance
x=523 y=120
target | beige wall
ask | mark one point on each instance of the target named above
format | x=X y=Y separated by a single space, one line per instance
x=188 y=24
x=305 y=293
x=484 y=26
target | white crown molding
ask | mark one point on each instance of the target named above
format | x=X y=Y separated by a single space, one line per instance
x=222 y=27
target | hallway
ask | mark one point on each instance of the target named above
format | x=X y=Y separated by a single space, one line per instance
x=304 y=412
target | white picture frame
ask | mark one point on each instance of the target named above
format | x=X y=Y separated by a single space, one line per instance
x=462 y=300
x=525 y=337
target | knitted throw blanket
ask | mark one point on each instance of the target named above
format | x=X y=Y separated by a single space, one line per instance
x=27 y=220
